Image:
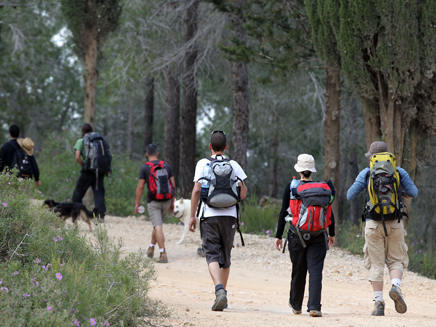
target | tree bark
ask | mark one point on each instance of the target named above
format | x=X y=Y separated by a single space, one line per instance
x=189 y=109
x=148 y=112
x=240 y=96
x=273 y=161
x=172 y=121
x=91 y=74
x=372 y=122
x=332 y=131
x=130 y=130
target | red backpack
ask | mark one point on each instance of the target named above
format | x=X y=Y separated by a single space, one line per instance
x=159 y=182
x=311 y=210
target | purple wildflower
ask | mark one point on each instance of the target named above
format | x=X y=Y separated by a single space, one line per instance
x=4 y=204
x=55 y=239
x=59 y=276
x=37 y=260
x=76 y=322
x=357 y=235
x=44 y=267
x=107 y=323
x=92 y=321
x=49 y=308
x=26 y=295
x=60 y=238
x=4 y=289
x=15 y=273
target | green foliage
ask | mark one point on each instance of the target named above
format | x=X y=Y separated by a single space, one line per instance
x=255 y=220
x=351 y=237
x=86 y=17
x=53 y=276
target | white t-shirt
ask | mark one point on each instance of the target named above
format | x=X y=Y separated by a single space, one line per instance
x=211 y=212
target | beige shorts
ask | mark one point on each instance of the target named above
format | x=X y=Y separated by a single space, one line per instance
x=157 y=211
x=380 y=250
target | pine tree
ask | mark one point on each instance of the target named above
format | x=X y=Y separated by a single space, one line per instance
x=90 y=22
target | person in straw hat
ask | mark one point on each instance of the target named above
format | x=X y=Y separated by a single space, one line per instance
x=307 y=257
x=8 y=154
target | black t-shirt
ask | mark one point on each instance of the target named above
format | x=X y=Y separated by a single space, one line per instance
x=284 y=212
x=144 y=173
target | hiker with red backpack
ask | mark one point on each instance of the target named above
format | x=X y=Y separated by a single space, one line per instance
x=307 y=205
x=386 y=185
x=160 y=197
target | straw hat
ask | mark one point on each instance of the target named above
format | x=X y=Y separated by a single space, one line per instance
x=376 y=147
x=26 y=144
x=305 y=162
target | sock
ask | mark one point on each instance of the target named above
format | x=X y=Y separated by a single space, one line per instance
x=219 y=287
x=152 y=245
x=162 y=250
x=396 y=282
x=378 y=296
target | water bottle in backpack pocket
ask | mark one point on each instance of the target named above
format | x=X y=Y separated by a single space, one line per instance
x=223 y=184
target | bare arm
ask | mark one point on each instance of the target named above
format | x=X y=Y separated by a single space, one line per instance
x=195 y=197
x=139 y=192
x=173 y=199
x=79 y=157
x=243 y=190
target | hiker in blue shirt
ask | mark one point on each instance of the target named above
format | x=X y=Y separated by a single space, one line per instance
x=384 y=246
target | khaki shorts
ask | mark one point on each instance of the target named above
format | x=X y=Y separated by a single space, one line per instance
x=157 y=211
x=380 y=250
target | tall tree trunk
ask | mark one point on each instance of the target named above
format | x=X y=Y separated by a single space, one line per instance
x=189 y=109
x=148 y=112
x=332 y=131
x=353 y=168
x=130 y=130
x=273 y=161
x=240 y=96
x=372 y=122
x=91 y=75
x=172 y=121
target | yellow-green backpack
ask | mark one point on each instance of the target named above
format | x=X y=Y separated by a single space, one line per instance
x=384 y=191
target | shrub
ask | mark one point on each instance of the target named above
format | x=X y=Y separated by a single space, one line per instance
x=262 y=221
x=55 y=276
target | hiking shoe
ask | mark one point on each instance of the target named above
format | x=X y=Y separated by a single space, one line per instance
x=315 y=313
x=379 y=308
x=200 y=252
x=150 y=252
x=163 y=258
x=395 y=294
x=294 y=311
x=220 y=301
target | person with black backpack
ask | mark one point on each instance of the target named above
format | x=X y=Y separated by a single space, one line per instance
x=18 y=153
x=160 y=197
x=93 y=155
x=219 y=183
x=386 y=185
x=307 y=206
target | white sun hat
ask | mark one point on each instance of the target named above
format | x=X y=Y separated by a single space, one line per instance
x=305 y=162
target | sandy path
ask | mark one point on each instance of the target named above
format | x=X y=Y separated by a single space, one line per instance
x=258 y=288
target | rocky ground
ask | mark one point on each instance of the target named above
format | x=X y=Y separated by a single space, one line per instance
x=258 y=287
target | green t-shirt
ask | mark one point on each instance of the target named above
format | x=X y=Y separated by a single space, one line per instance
x=79 y=146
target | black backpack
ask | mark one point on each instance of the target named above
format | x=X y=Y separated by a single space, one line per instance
x=98 y=158
x=22 y=162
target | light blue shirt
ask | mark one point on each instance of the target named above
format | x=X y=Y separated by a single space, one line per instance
x=361 y=183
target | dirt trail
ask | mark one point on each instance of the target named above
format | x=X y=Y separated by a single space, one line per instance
x=258 y=288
